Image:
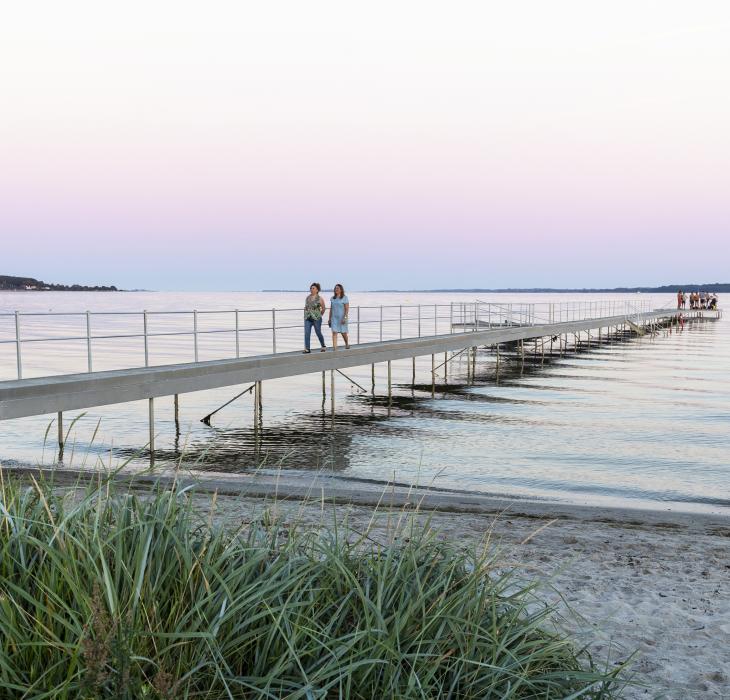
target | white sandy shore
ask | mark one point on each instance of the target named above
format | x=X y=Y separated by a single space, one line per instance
x=653 y=582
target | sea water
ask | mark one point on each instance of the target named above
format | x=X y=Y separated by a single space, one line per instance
x=644 y=422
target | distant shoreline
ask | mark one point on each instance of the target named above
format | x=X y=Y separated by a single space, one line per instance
x=664 y=289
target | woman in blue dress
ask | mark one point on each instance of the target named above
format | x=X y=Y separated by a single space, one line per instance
x=339 y=310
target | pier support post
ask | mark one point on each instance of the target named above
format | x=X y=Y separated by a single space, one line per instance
x=332 y=392
x=324 y=389
x=474 y=364
x=60 y=435
x=261 y=402
x=413 y=373
x=177 y=413
x=446 y=367
x=390 y=392
x=433 y=376
x=372 y=373
x=151 y=414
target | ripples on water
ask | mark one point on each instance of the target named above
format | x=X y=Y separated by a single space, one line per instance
x=642 y=422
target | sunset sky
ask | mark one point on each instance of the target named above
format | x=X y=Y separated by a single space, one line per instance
x=249 y=145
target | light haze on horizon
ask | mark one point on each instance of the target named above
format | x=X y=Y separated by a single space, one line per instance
x=219 y=146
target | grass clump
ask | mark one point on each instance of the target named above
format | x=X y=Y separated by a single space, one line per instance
x=116 y=595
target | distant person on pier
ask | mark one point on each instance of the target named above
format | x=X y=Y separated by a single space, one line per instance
x=713 y=302
x=313 y=310
x=339 y=311
x=684 y=300
x=680 y=296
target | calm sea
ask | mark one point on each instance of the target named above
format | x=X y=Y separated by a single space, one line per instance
x=642 y=423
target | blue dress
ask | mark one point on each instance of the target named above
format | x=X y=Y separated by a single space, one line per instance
x=338 y=323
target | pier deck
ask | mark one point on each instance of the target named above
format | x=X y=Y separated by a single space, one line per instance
x=43 y=395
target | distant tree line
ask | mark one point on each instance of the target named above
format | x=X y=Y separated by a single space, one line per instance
x=8 y=283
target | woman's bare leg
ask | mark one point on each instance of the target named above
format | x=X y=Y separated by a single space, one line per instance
x=346 y=337
x=334 y=340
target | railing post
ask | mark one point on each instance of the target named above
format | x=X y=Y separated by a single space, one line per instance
x=238 y=346
x=146 y=340
x=18 y=355
x=195 y=333
x=381 y=323
x=419 y=320
x=451 y=317
x=88 y=341
x=476 y=316
x=400 y=321
x=358 y=325
x=435 y=319
x=273 y=330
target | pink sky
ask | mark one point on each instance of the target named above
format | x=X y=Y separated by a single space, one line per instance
x=232 y=146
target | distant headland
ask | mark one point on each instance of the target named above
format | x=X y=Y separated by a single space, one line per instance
x=30 y=284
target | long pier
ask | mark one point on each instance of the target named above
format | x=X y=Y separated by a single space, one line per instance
x=57 y=394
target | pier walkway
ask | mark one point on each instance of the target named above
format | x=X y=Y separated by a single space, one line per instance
x=469 y=326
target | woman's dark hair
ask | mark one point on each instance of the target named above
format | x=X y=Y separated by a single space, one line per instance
x=317 y=285
x=334 y=291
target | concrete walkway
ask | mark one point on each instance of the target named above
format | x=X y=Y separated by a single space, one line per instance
x=43 y=395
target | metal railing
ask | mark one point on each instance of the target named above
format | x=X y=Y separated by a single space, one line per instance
x=126 y=339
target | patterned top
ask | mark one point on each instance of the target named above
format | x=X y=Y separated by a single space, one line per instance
x=313 y=308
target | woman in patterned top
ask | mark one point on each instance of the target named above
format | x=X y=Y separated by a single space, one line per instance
x=313 y=310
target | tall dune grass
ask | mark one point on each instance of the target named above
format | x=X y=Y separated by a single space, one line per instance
x=109 y=594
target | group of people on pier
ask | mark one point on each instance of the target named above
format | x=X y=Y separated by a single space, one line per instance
x=697 y=300
x=314 y=309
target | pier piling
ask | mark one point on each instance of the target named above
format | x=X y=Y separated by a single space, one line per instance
x=151 y=414
x=60 y=434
